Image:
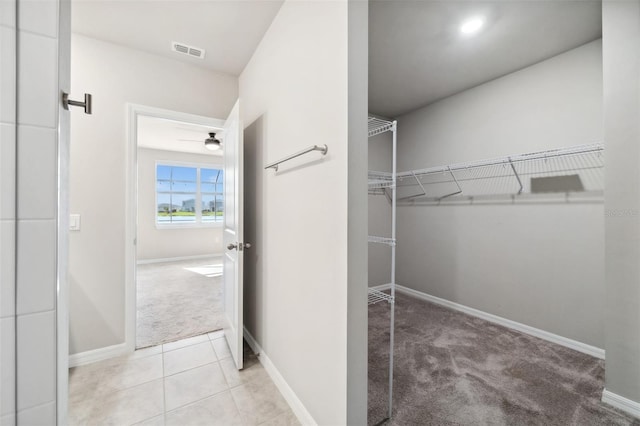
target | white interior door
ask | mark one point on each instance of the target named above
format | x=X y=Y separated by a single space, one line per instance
x=233 y=233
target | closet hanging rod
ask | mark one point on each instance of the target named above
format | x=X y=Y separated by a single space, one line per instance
x=577 y=150
x=274 y=165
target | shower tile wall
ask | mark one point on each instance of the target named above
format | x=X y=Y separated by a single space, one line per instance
x=28 y=158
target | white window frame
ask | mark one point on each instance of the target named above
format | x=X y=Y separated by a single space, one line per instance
x=198 y=201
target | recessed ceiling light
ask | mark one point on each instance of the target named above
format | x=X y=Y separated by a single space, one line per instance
x=471 y=26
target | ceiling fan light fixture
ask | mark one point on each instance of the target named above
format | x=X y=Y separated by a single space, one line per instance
x=212 y=143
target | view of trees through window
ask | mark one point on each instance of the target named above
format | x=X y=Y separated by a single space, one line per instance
x=188 y=195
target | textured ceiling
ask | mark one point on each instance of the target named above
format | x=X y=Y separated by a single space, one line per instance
x=417 y=54
x=229 y=30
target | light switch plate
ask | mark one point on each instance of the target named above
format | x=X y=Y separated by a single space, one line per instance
x=74 y=222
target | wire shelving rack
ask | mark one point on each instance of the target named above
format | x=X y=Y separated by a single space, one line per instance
x=511 y=176
x=384 y=183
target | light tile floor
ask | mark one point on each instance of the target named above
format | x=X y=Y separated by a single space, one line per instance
x=188 y=382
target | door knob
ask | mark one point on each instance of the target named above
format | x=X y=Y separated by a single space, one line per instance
x=247 y=245
x=86 y=104
x=232 y=246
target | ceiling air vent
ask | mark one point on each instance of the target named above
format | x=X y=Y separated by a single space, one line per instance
x=196 y=52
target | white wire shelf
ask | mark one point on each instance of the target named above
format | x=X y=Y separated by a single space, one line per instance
x=378 y=126
x=382 y=240
x=513 y=175
x=375 y=296
x=379 y=183
x=380 y=180
x=378 y=191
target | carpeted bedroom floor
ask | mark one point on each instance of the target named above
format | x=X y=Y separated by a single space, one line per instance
x=455 y=369
x=176 y=300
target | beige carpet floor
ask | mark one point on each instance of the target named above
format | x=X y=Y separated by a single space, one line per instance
x=176 y=300
x=455 y=369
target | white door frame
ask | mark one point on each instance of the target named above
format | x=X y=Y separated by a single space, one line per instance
x=131 y=203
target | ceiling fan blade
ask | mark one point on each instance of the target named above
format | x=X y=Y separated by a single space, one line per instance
x=199 y=130
x=191 y=140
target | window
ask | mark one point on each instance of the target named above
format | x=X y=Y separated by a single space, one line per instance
x=188 y=195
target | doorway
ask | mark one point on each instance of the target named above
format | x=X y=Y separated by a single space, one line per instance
x=179 y=205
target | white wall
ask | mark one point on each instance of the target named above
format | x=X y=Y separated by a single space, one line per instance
x=28 y=210
x=295 y=93
x=116 y=76
x=621 y=35
x=154 y=243
x=538 y=264
x=357 y=152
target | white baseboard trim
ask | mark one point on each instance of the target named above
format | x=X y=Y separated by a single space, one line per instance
x=176 y=259
x=536 y=332
x=621 y=403
x=289 y=395
x=251 y=341
x=383 y=287
x=82 y=358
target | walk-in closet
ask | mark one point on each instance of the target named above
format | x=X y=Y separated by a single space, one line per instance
x=486 y=214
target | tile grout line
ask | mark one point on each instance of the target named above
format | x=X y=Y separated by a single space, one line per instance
x=182 y=347
x=235 y=403
x=31 y=32
x=228 y=389
x=112 y=391
x=36 y=219
x=224 y=376
x=31 y=407
x=104 y=369
x=167 y=376
x=193 y=368
x=214 y=351
x=201 y=399
x=27 y=314
x=266 y=420
x=197 y=366
x=37 y=126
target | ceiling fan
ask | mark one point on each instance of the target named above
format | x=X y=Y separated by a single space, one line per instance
x=211 y=143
